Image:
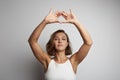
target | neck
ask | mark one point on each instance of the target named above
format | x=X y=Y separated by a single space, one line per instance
x=60 y=57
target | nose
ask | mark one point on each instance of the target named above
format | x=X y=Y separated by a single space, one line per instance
x=59 y=41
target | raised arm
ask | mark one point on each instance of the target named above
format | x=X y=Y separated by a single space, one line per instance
x=87 y=41
x=44 y=58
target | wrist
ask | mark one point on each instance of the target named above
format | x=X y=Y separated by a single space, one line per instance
x=75 y=22
x=45 y=22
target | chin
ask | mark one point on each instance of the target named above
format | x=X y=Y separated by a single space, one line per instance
x=60 y=50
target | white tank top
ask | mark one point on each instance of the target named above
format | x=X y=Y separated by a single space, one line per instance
x=60 y=71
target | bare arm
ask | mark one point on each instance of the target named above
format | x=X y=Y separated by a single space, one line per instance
x=33 y=40
x=36 y=48
x=87 y=41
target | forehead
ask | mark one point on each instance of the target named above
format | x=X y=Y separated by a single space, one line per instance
x=60 y=34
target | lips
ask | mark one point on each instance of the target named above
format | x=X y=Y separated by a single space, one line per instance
x=60 y=45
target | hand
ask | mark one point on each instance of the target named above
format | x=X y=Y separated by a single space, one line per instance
x=52 y=17
x=69 y=17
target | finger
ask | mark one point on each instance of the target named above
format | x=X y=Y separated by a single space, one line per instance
x=71 y=12
x=64 y=22
x=51 y=11
x=57 y=21
x=58 y=13
x=64 y=13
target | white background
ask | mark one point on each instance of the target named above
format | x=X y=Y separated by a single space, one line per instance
x=18 y=18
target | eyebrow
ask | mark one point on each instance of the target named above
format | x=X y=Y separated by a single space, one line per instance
x=61 y=36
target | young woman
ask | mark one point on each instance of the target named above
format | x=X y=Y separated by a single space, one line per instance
x=60 y=67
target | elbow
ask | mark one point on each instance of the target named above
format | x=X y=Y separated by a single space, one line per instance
x=89 y=43
x=30 y=40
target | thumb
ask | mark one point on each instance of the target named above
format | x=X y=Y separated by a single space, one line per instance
x=57 y=21
x=64 y=21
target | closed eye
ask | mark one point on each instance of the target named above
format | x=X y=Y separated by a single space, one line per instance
x=55 y=39
x=63 y=39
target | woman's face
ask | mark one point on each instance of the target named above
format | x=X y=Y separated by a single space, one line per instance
x=60 y=41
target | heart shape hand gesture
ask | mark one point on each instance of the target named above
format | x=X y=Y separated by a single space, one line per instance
x=52 y=17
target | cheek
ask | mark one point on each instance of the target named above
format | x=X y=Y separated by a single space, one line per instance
x=54 y=44
x=66 y=44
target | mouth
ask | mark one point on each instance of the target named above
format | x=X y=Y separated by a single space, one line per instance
x=60 y=45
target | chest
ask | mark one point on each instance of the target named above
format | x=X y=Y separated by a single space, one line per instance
x=60 y=72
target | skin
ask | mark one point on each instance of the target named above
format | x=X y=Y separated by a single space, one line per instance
x=60 y=40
